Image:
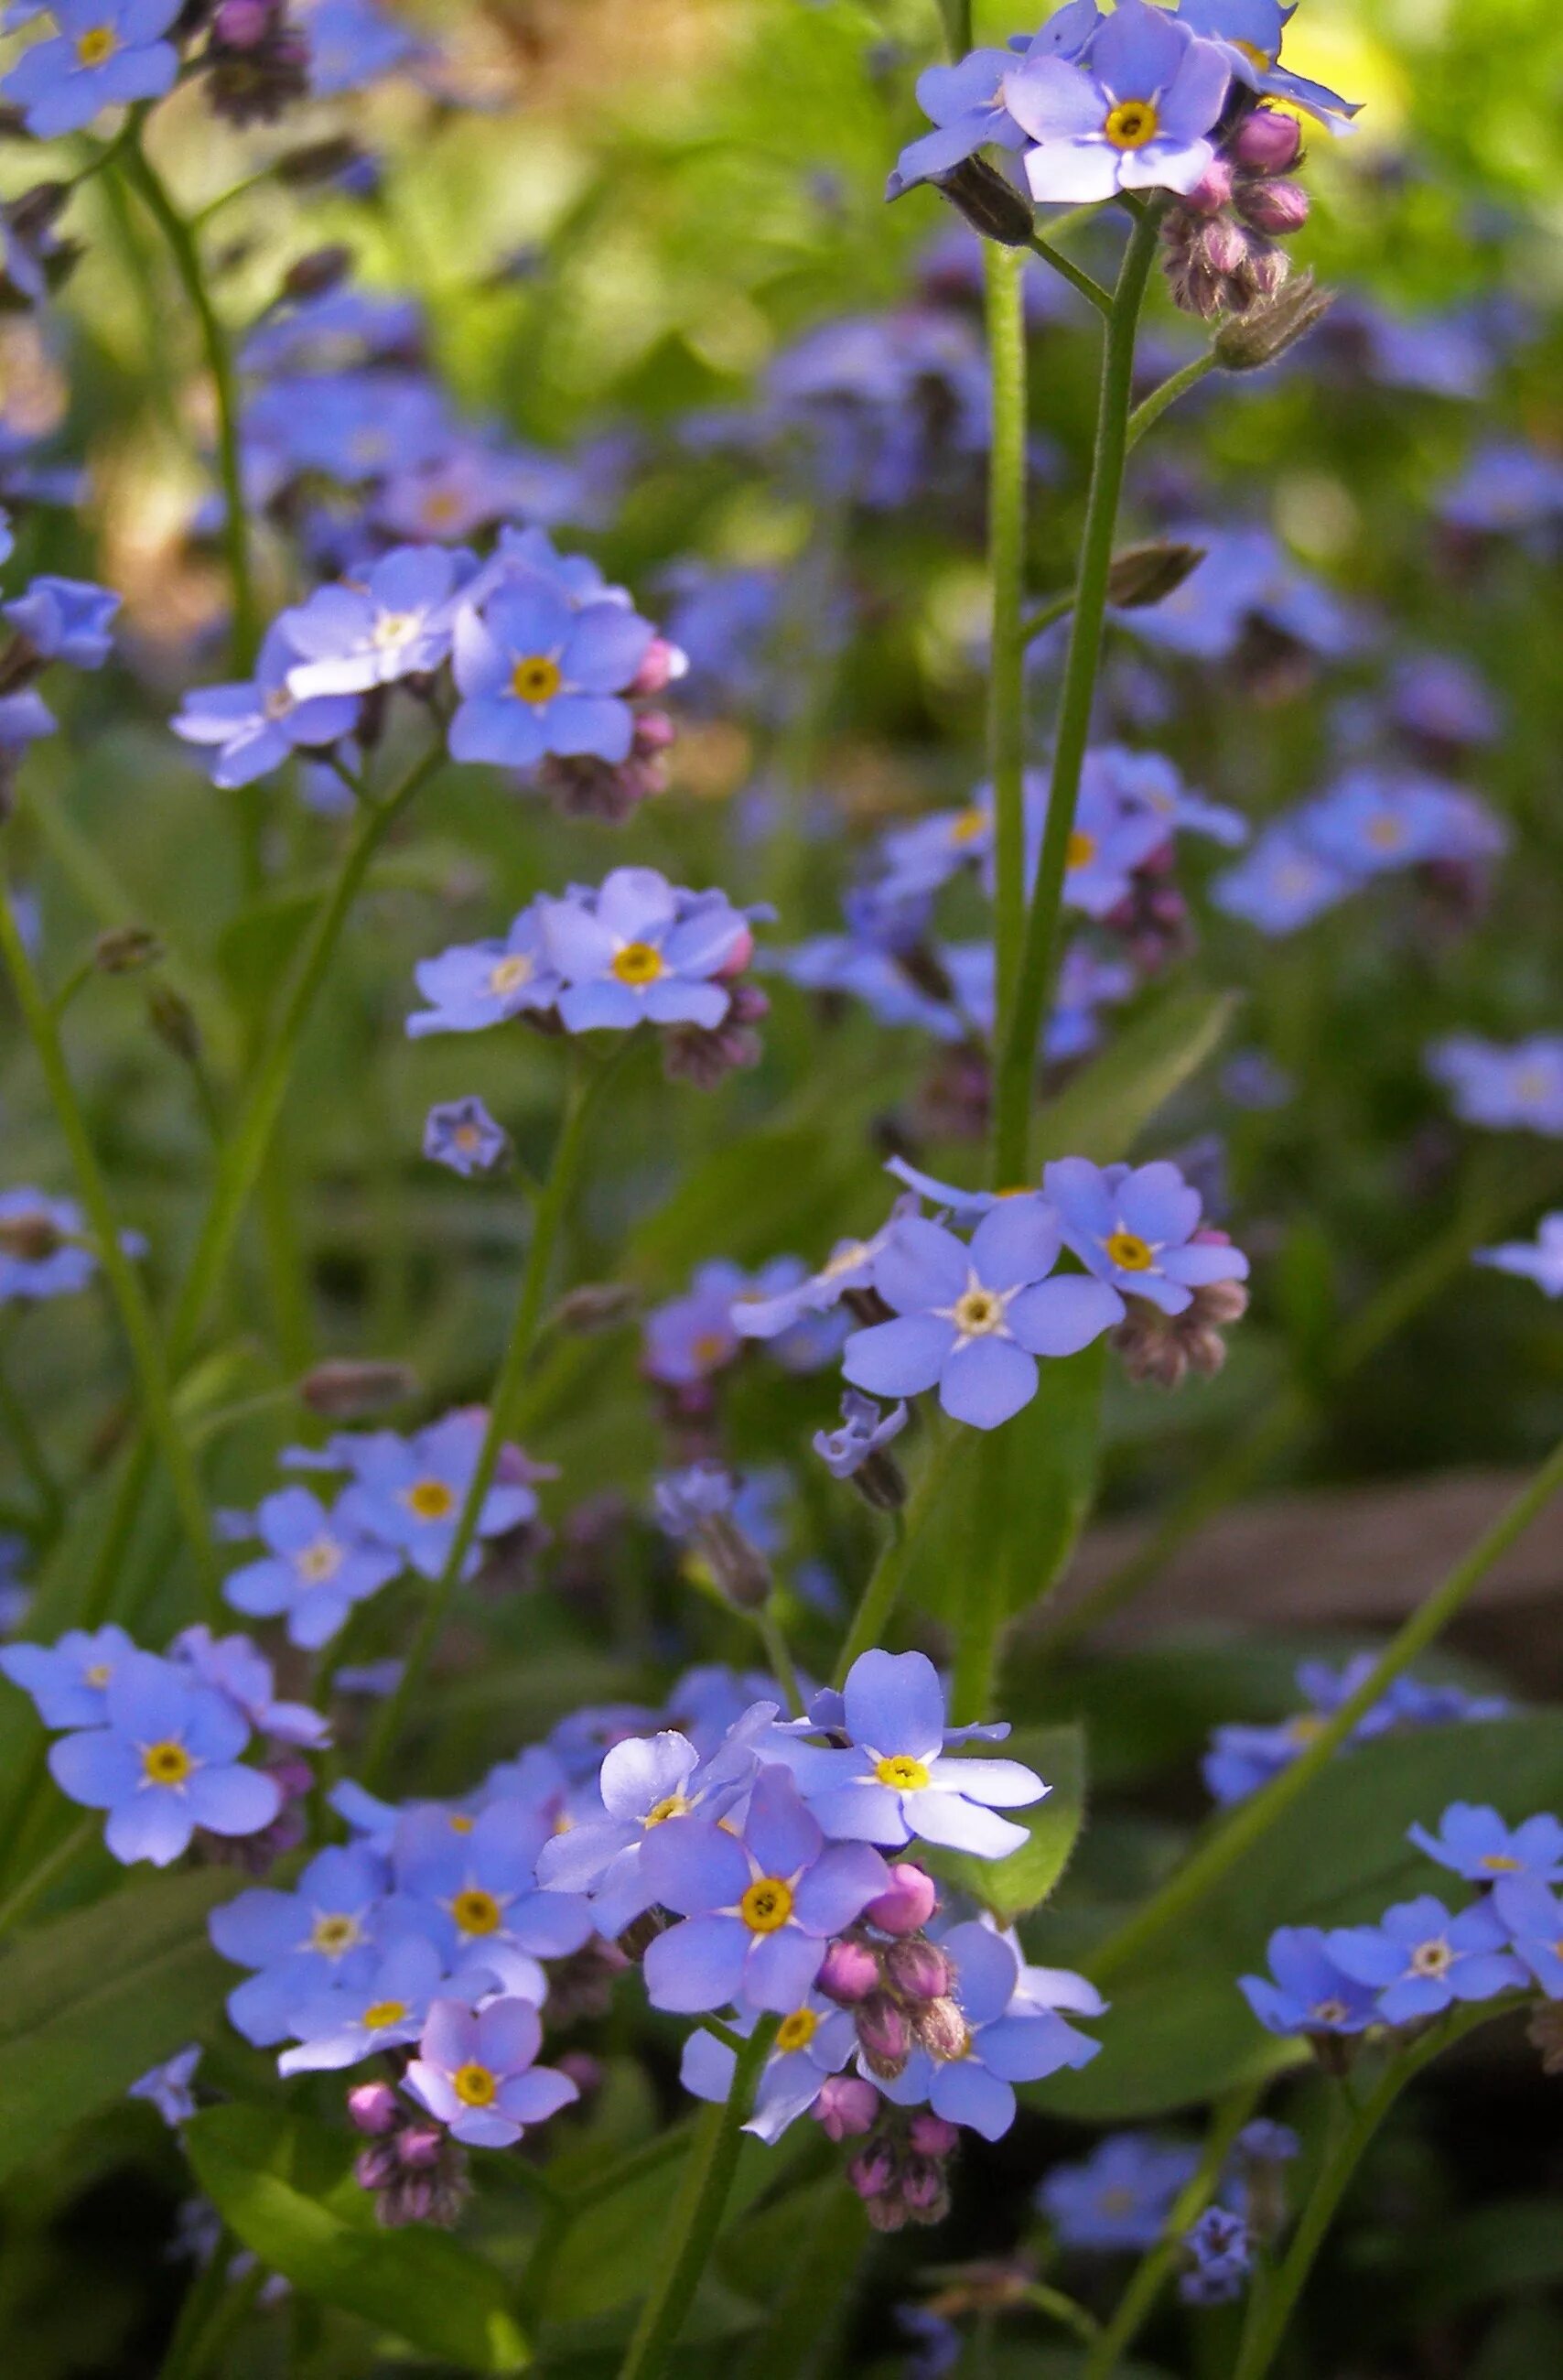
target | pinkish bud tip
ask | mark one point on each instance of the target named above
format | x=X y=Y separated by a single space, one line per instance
x=373 y=2107
x=850 y=1973
x=931 y=2136
x=910 y=1902
x=846 y=2106
x=1267 y=142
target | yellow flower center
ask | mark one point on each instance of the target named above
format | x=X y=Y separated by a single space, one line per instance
x=460 y=1823
x=1304 y=1726
x=440 y=508
x=1263 y=59
x=393 y=628
x=671 y=1806
x=766 y=1905
x=99 y=1675
x=1531 y=1085
x=709 y=1347
x=1431 y=1958
x=165 y=1764
x=380 y=2013
x=536 y=679
x=1387 y=833
x=968 y=826
x=1499 y=1862
x=1329 y=2011
x=320 y=1561
x=1131 y=124
x=637 y=963
x=468 y=1139
x=476 y=1911
x=97 y=47
x=1082 y=849
x=977 y=1313
x=430 y=1500
x=795 y=2032
x=510 y=973
x=1120 y=2199
x=278 y=703
x=334 y=1935
x=1128 y=1252
x=901 y=1773
x=474 y=2085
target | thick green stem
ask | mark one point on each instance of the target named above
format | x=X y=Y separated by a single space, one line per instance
x=1151 y=2274
x=1175 y=385
x=696 y=2218
x=1006 y=685
x=558 y=1191
x=1017 y=1053
x=124 y=1282
x=872 y=1616
x=1254 y=1818
x=1270 y=2311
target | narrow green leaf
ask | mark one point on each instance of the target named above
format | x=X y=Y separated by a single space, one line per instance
x=1103 y=1111
x=1010 y=1887
x=286 y=2188
x=89 y=2002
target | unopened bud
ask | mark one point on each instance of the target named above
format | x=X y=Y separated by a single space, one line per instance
x=373 y=2107
x=654 y=731
x=660 y=663
x=931 y=2136
x=31 y=1238
x=1278 y=208
x=846 y=2106
x=884 y=2036
x=850 y=1974
x=38 y=210
x=739 y=1568
x=990 y=203
x=322 y=269
x=317 y=161
x=1212 y=191
x=418 y=2148
x=1267 y=142
x=242 y=24
x=910 y=1902
x=1249 y=341
x=942 y=2029
x=173 y=1020
x=374 y=2169
x=342 y=1390
x=1144 y=575
x=919 y=1971
x=125 y=948
x=1546 y=2033
x=924 y=2190
x=871 y=2173
x=594 y=1305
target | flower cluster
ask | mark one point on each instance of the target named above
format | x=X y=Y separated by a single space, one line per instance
x=1371 y=822
x=1241 y=1758
x=1422 y=1959
x=156 y=1740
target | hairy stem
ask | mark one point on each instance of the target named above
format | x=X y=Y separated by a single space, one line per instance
x=1252 y=1819
x=1006 y=685
x=1086 y=284
x=1175 y=385
x=1017 y=1054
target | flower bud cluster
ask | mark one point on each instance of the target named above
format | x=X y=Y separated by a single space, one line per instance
x=1220 y=242
x=902 y=2171
x=898 y=1990
x=1162 y=1349
x=415 y=2172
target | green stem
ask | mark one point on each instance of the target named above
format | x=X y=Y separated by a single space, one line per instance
x=984 y=1613
x=185 y=250
x=779 y=1653
x=872 y=1616
x=1017 y=1053
x=956 y=15
x=1175 y=385
x=124 y=1282
x=696 y=2218
x=1089 y=287
x=1252 y=1819
x=48 y=1871
x=1066 y=2311
x=558 y=1191
x=1006 y=685
x=35 y=1464
x=1155 y=2267
x=1270 y=2312
x=1048 y=615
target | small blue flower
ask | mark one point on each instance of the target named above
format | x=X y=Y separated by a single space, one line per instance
x=757 y=1315
x=1421 y=1960
x=1265 y=2142
x=477 y=2071
x=1220 y=2249
x=57 y=1226
x=1532 y=1918
x=352 y=43
x=66 y=620
x=326 y=1932
x=974 y=1318
x=318 y=1566
x=1246 y=576
x=689 y=1338
x=167 y=2087
x=1540 y=1259
x=1248 y=34
x=346 y=2022
x=236 y=1669
x=68 y=1681
x=537 y=675
x=106 y=54
x=1518 y=1088
x=464 y=1135
x=1474 y=1842
x=758 y=1903
x=474 y=985
x=965 y=101
x=1441 y=698
x=257 y=726
x=1120 y=2196
x=937 y=2345
x=897 y=1780
x=165 y=1761
x=1138 y=1228
x=1310 y=1992
x=813 y=2040
x=474 y=1892
x=1009 y=2040
x=409 y=1492
x=1281 y=884
x=639 y=949
x=398 y=624
x=1374 y=820
x=1506 y=490
x=866 y=1427
x=645 y=1781
x=1134 y=118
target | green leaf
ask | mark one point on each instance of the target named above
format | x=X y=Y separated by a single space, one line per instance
x=1494 y=2252
x=1014 y=1499
x=1103 y=1111
x=89 y=2002
x=1010 y=1887
x=1180 y=2030
x=285 y=2187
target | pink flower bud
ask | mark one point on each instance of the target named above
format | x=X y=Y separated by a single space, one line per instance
x=662 y=664
x=851 y=1972
x=1221 y=246
x=1267 y=142
x=871 y=2174
x=922 y=2188
x=744 y=951
x=1211 y=193
x=654 y=731
x=942 y=2029
x=242 y=24
x=374 y=2167
x=846 y=2106
x=373 y=2107
x=884 y=2036
x=917 y=1970
x=931 y=2136
x=419 y=2147
x=910 y=1902
x=1276 y=207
